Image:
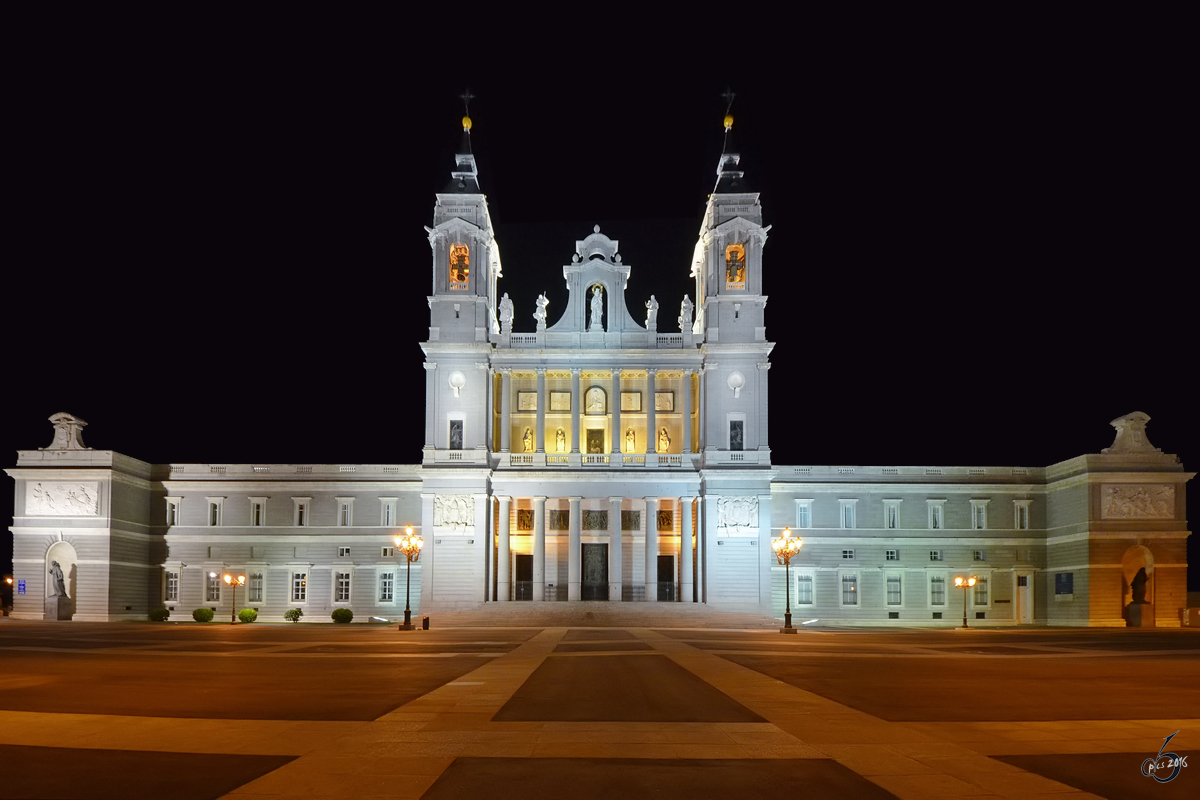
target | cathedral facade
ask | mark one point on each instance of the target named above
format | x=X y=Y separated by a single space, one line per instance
x=604 y=456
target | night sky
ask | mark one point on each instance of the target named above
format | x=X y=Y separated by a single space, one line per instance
x=976 y=258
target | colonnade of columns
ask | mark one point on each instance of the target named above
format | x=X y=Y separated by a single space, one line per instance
x=690 y=549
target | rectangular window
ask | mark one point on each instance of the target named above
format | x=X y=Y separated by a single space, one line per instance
x=936 y=521
x=1021 y=515
x=979 y=514
x=935 y=555
x=937 y=590
x=172 y=512
x=980 y=555
x=981 y=592
x=456 y=434
x=299 y=587
x=343 y=552
x=847 y=513
x=254 y=594
x=804 y=515
x=302 y=508
x=1064 y=583
x=849 y=590
x=804 y=589
x=737 y=434
x=387 y=515
x=891 y=514
x=172 y=593
x=891 y=555
x=387 y=552
x=214 y=513
x=341 y=587
x=387 y=585
x=893 y=590
x=848 y=554
x=345 y=512
x=258 y=516
x=212 y=593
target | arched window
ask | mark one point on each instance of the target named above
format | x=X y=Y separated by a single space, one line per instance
x=735 y=265
x=460 y=266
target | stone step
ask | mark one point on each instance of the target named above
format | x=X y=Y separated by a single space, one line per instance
x=588 y=614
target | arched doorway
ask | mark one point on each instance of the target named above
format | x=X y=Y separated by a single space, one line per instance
x=1133 y=561
x=61 y=561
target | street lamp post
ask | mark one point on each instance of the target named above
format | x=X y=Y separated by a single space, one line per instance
x=234 y=581
x=964 y=584
x=785 y=547
x=410 y=544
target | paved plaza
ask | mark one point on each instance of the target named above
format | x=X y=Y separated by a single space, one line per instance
x=141 y=710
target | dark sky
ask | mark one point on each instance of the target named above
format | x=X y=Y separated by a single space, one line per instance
x=977 y=254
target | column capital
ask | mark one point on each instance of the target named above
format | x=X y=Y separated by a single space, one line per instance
x=481 y=365
x=575 y=499
x=540 y=371
x=505 y=371
x=616 y=371
x=541 y=500
x=651 y=499
x=575 y=371
x=764 y=365
x=503 y=498
x=687 y=498
x=430 y=365
x=651 y=371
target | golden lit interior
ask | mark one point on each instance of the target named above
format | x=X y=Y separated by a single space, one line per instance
x=460 y=263
x=735 y=263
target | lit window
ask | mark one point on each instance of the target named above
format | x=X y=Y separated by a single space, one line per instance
x=804 y=589
x=981 y=592
x=299 y=587
x=255 y=593
x=847 y=513
x=341 y=587
x=804 y=513
x=893 y=590
x=937 y=590
x=891 y=555
x=1021 y=514
x=387 y=585
x=387 y=552
x=460 y=266
x=212 y=593
x=343 y=552
x=735 y=266
x=846 y=554
x=937 y=519
x=979 y=514
x=849 y=590
x=171 y=595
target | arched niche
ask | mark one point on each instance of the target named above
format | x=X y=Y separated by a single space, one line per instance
x=1136 y=558
x=64 y=554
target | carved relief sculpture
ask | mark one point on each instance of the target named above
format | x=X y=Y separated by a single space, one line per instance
x=506 y=314
x=737 y=514
x=594 y=401
x=455 y=511
x=62 y=499
x=68 y=432
x=524 y=519
x=595 y=520
x=1138 y=501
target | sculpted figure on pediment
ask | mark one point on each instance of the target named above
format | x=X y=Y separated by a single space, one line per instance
x=737 y=514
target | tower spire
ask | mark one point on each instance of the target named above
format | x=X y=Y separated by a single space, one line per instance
x=729 y=177
x=464 y=178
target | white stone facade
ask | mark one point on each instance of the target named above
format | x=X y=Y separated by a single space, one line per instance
x=593 y=454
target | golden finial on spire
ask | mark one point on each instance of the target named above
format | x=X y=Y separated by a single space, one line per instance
x=728 y=122
x=728 y=95
x=467 y=97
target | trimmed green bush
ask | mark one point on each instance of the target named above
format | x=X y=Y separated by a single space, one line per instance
x=159 y=614
x=202 y=615
x=342 y=615
x=293 y=614
x=248 y=615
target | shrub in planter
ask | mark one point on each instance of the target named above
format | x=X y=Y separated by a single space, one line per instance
x=293 y=614
x=202 y=615
x=248 y=614
x=342 y=615
x=159 y=614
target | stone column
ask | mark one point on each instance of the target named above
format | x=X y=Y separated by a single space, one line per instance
x=685 y=549
x=505 y=410
x=428 y=552
x=574 y=551
x=706 y=540
x=651 y=419
x=614 y=550
x=687 y=418
x=541 y=411
x=763 y=442
x=489 y=410
x=504 y=557
x=614 y=407
x=431 y=414
x=482 y=541
x=575 y=401
x=651 y=549
x=539 y=548
x=766 y=556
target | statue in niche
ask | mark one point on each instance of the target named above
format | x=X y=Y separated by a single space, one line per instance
x=560 y=441
x=652 y=314
x=630 y=441
x=664 y=441
x=540 y=315
x=685 y=315
x=1139 y=586
x=527 y=441
x=506 y=314
x=596 y=323
x=57 y=587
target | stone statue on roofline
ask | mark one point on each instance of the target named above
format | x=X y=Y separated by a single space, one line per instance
x=685 y=315
x=540 y=315
x=506 y=314
x=652 y=314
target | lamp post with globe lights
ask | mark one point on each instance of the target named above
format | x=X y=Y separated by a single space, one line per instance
x=234 y=581
x=785 y=547
x=410 y=544
x=964 y=584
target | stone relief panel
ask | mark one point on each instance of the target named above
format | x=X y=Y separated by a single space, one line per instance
x=455 y=511
x=631 y=520
x=737 y=515
x=666 y=520
x=559 y=520
x=595 y=520
x=524 y=519
x=62 y=499
x=1138 y=501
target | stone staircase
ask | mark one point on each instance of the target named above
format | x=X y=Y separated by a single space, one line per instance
x=592 y=615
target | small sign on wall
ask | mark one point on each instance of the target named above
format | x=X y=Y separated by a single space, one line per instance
x=20 y=587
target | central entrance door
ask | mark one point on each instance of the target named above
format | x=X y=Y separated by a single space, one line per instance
x=523 y=585
x=666 y=579
x=595 y=572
